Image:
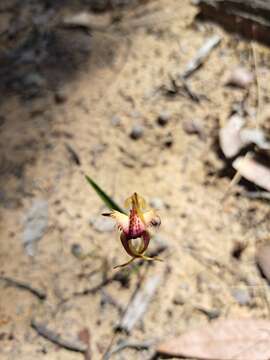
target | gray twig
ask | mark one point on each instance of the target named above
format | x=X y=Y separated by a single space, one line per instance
x=144 y=345
x=24 y=286
x=139 y=304
x=201 y=56
x=257 y=194
x=50 y=335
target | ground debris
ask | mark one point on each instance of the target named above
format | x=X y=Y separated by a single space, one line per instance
x=248 y=17
x=125 y=344
x=201 y=56
x=87 y=20
x=240 y=77
x=50 y=335
x=233 y=137
x=139 y=304
x=253 y=171
x=73 y=155
x=24 y=286
x=84 y=337
x=194 y=126
x=263 y=260
x=214 y=341
x=35 y=225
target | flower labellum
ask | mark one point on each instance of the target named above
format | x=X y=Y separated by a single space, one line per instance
x=135 y=226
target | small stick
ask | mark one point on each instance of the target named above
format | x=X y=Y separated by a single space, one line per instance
x=110 y=300
x=96 y=288
x=257 y=194
x=201 y=56
x=24 y=286
x=73 y=155
x=139 y=304
x=84 y=336
x=145 y=345
x=50 y=335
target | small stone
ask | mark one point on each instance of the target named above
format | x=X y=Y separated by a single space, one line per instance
x=116 y=120
x=194 y=126
x=60 y=96
x=242 y=296
x=34 y=79
x=178 y=300
x=163 y=118
x=210 y=313
x=168 y=141
x=157 y=203
x=76 y=250
x=103 y=224
x=136 y=132
x=240 y=77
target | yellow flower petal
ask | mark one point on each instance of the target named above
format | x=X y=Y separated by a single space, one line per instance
x=135 y=201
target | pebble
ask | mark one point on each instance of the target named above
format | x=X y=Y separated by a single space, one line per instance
x=76 y=250
x=168 y=140
x=157 y=203
x=163 y=118
x=33 y=79
x=179 y=299
x=35 y=225
x=116 y=120
x=242 y=296
x=240 y=77
x=194 y=126
x=136 y=132
x=60 y=96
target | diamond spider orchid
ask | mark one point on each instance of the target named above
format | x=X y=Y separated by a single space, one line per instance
x=135 y=226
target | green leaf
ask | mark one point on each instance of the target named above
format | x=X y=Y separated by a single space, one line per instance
x=108 y=201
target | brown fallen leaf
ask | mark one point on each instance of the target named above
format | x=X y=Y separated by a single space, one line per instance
x=253 y=171
x=235 y=339
x=263 y=260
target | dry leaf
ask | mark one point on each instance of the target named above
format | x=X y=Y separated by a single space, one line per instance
x=238 y=339
x=233 y=137
x=229 y=136
x=253 y=171
x=263 y=260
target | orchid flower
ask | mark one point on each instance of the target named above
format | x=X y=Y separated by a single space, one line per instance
x=135 y=226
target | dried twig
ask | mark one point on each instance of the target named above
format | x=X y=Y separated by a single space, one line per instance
x=73 y=155
x=117 y=276
x=139 y=303
x=50 y=335
x=145 y=345
x=265 y=195
x=95 y=289
x=24 y=286
x=201 y=56
x=84 y=336
x=106 y=298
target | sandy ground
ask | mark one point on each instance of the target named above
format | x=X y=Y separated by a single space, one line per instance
x=119 y=86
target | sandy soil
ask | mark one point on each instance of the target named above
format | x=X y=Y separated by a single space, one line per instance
x=91 y=104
